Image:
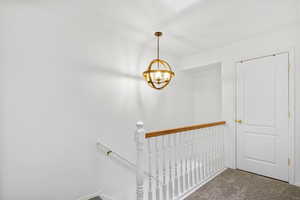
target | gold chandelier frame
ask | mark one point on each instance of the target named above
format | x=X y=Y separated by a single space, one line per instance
x=166 y=73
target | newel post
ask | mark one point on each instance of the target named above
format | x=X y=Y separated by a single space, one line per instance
x=139 y=140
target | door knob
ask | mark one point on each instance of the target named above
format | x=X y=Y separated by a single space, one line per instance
x=238 y=121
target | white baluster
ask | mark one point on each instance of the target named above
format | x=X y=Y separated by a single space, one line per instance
x=202 y=153
x=210 y=151
x=220 y=147
x=198 y=156
x=176 y=184
x=182 y=148
x=170 y=168
x=207 y=153
x=217 y=148
x=214 y=150
x=194 y=135
x=186 y=152
x=191 y=158
x=139 y=139
x=157 y=156
x=223 y=146
x=164 y=190
x=150 y=195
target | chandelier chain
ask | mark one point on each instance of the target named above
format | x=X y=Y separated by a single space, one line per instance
x=158 y=51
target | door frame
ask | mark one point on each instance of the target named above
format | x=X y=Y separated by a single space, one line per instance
x=291 y=126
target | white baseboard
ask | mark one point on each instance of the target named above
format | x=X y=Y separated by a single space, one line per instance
x=100 y=194
x=182 y=197
x=297 y=184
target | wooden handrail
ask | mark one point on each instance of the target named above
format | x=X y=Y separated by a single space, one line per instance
x=182 y=129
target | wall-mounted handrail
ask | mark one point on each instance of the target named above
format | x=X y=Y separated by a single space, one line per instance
x=108 y=152
x=182 y=129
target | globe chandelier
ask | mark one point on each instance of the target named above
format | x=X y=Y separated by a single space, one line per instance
x=159 y=72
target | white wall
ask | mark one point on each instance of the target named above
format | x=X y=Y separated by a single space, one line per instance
x=70 y=76
x=67 y=79
x=284 y=39
x=206 y=87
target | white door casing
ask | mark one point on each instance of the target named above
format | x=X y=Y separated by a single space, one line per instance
x=263 y=106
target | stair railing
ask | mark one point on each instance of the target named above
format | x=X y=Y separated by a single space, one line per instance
x=115 y=155
x=182 y=159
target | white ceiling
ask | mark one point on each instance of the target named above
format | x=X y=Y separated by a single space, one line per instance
x=192 y=26
x=219 y=23
x=189 y=26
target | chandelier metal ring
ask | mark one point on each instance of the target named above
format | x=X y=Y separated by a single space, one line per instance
x=159 y=72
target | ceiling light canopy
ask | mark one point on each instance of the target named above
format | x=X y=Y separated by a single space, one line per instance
x=159 y=72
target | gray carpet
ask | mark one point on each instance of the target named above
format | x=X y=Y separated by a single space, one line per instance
x=240 y=185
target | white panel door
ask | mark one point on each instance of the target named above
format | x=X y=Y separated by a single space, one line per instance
x=262 y=107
